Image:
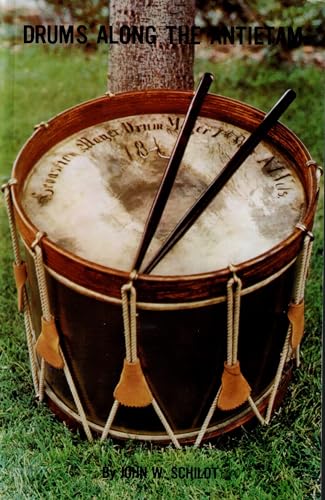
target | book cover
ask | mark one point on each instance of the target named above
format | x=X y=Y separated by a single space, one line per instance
x=126 y=372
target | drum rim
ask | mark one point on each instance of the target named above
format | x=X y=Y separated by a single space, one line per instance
x=157 y=287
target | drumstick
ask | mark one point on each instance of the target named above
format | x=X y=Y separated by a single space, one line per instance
x=170 y=173
x=230 y=168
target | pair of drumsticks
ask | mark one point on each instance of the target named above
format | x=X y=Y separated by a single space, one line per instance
x=217 y=184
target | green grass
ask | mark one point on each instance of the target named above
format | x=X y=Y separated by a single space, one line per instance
x=39 y=457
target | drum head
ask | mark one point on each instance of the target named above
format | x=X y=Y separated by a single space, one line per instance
x=92 y=192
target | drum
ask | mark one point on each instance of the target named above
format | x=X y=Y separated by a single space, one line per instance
x=204 y=343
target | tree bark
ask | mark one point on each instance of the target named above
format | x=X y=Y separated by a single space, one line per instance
x=138 y=66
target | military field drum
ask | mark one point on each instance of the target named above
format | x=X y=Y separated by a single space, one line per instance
x=205 y=341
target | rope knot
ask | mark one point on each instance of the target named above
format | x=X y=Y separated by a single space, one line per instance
x=304 y=229
x=127 y=287
x=313 y=163
x=301 y=226
x=133 y=275
x=234 y=280
x=41 y=125
x=6 y=185
x=38 y=237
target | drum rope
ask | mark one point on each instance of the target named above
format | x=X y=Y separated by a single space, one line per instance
x=76 y=399
x=230 y=348
x=278 y=376
x=300 y=282
x=207 y=420
x=128 y=293
x=234 y=288
x=126 y=322
x=30 y=334
x=12 y=225
x=41 y=388
x=302 y=267
x=165 y=423
x=233 y=315
x=44 y=298
x=47 y=316
x=230 y=321
x=256 y=411
x=141 y=393
x=41 y=280
x=109 y=420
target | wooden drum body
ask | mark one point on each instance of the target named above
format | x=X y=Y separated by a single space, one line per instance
x=192 y=321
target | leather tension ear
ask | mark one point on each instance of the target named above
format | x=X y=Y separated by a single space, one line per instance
x=132 y=389
x=47 y=344
x=20 y=274
x=296 y=316
x=235 y=390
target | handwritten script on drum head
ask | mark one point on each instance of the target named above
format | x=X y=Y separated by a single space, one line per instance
x=146 y=140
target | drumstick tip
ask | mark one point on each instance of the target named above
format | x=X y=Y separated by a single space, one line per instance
x=290 y=94
x=208 y=76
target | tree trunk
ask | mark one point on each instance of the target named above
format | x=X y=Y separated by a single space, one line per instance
x=138 y=66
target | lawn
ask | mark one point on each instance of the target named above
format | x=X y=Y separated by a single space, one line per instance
x=39 y=457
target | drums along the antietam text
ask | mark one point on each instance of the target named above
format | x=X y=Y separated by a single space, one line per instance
x=171 y=34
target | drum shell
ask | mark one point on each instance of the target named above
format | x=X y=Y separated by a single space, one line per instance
x=182 y=353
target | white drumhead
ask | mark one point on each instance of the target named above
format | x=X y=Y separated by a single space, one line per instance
x=92 y=192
